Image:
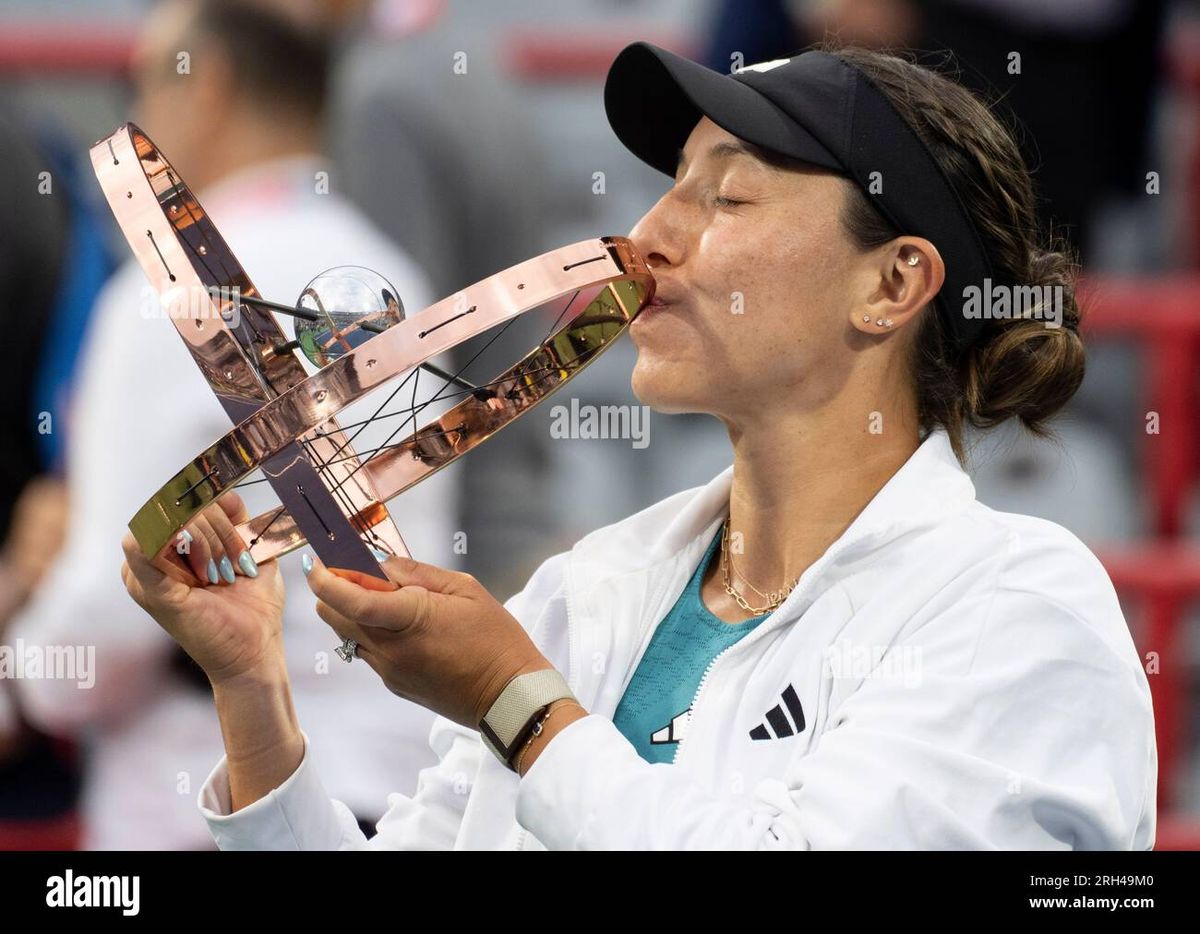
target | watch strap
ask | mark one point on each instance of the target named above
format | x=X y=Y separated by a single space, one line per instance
x=514 y=712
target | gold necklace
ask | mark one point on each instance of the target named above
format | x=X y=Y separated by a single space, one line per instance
x=775 y=598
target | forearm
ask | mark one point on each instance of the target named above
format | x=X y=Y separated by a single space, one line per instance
x=263 y=743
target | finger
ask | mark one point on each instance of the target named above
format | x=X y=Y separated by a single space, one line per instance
x=365 y=580
x=234 y=507
x=226 y=566
x=132 y=584
x=199 y=554
x=347 y=629
x=396 y=609
x=231 y=541
x=343 y=626
x=139 y=565
x=408 y=571
x=192 y=551
x=370 y=650
x=158 y=576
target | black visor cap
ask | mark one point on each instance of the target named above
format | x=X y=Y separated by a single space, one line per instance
x=817 y=108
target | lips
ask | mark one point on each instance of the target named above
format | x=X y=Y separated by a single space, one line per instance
x=664 y=296
x=652 y=309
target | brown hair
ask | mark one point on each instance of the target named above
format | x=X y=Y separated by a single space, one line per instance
x=278 y=61
x=1018 y=367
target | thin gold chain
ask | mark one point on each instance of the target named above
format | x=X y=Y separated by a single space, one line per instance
x=775 y=599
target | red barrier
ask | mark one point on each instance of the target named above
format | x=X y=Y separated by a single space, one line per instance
x=65 y=49
x=1163 y=317
x=58 y=833
x=543 y=56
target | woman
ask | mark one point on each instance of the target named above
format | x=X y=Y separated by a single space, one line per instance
x=873 y=659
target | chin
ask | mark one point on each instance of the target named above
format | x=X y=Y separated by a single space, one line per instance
x=666 y=389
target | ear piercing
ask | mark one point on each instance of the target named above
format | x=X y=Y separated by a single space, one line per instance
x=887 y=322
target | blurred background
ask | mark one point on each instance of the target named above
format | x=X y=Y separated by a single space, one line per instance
x=456 y=138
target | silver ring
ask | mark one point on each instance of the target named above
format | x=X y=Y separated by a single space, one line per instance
x=347 y=651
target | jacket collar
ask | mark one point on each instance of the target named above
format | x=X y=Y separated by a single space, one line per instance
x=928 y=487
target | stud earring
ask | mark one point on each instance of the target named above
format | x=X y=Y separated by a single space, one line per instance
x=879 y=322
x=914 y=259
x=866 y=319
x=887 y=323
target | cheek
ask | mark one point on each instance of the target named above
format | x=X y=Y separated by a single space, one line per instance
x=791 y=274
x=718 y=271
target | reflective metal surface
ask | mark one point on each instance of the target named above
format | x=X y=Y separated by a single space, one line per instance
x=351 y=304
x=285 y=421
x=186 y=260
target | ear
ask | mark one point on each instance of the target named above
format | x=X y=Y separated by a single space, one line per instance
x=907 y=276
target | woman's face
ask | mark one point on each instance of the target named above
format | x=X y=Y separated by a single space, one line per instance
x=758 y=283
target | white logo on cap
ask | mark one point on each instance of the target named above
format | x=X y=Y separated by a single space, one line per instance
x=765 y=66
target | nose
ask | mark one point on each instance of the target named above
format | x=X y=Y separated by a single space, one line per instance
x=657 y=236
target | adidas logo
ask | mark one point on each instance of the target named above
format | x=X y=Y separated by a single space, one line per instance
x=778 y=722
x=674 y=731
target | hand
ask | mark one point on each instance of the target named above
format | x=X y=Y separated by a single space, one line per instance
x=35 y=537
x=228 y=628
x=440 y=639
x=38 y=527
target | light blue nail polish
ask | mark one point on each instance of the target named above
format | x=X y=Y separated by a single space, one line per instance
x=246 y=563
x=380 y=556
x=306 y=564
x=187 y=536
x=212 y=571
x=227 y=569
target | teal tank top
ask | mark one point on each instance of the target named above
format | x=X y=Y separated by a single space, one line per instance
x=656 y=706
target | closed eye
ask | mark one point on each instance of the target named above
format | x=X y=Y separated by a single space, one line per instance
x=723 y=202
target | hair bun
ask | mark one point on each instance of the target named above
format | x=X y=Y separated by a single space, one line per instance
x=1028 y=367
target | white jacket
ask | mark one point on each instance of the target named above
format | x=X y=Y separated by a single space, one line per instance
x=965 y=677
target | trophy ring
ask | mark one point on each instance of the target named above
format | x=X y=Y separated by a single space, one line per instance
x=285 y=421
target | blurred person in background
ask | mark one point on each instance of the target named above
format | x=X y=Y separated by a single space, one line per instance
x=39 y=779
x=234 y=93
x=415 y=99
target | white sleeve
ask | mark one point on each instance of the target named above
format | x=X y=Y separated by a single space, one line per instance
x=300 y=814
x=1025 y=730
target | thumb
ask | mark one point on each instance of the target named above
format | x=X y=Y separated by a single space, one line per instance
x=409 y=572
